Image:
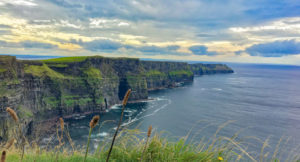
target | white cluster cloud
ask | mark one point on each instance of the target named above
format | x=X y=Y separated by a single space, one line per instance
x=281 y=29
x=18 y=2
x=107 y=23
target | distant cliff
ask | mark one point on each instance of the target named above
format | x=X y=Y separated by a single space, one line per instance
x=203 y=69
x=44 y=89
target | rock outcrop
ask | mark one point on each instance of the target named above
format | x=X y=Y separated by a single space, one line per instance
x=44 y=89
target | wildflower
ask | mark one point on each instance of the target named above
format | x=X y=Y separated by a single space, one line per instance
x=220 y=158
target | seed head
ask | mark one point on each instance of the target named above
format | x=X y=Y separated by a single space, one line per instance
x=62 y=124
x=10 y=143
x=149 y=131
x=126 y=97
x=94 y=121
x=12 y=113
x=3 y=156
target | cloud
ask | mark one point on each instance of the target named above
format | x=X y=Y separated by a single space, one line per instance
x=142 y=27
x=101 y=45
x=5 y=32
x=31 y=44
x=275 y=49
x=66 y=4
x=5 y=26
x=204 y=35
x=201 y=50
x=159 y=50
x=280 y=29
x=110 y=45
x=18 y=2
x=173 y=47
x=107 y=23
x=27 y=44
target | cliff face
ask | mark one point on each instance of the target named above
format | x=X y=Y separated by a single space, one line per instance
x=166 y=74
x=203 y=69
x=45 y=89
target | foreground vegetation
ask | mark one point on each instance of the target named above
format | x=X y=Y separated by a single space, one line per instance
x=130 y=147
x=157 y=150
x=133 y=145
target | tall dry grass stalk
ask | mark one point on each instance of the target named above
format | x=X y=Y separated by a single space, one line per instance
x=94 y=121
x=3 y=156
x=12 y=113
x=59 y=137
x=93 y=124
x=62 y=124
x=149 y=131
x=126 y=97
x=125 y=100
x=70 y=140
x=10 y=143
x=148 y=136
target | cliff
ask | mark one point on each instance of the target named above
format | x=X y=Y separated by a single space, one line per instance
x=166 y=74
x=44 y=89
x=204 y=69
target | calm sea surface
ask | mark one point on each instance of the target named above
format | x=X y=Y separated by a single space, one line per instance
x=261 y=101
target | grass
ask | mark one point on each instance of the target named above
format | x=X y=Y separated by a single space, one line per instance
x=2 y=70
x=93 y=73
x=43 y=70
x=155 y=73
x=181 y=72
x=66 y=59
x=130 y=146
x=70 y=101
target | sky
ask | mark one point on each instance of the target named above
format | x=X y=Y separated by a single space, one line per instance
x=249 y=31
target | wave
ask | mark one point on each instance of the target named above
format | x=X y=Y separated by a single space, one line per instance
x=217 y=89
x=137 y=118
x=116 y=106
x=102 y=134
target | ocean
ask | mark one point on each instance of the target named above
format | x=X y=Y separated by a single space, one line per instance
x=259 y=102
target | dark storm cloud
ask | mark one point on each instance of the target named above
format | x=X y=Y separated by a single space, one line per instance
x=157 y=50
x=109 y=45
x=275 y=49
x=201 y=50
x=101 y=45
x=5 y=32
x=5 y=26
x=31 y=44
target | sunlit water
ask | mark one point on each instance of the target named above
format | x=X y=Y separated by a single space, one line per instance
x=263 y=101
